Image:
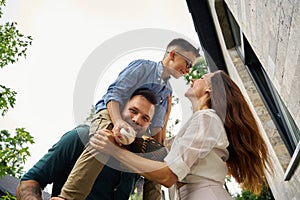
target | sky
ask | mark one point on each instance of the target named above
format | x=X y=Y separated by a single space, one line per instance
x=69 y=36
x=65 y=33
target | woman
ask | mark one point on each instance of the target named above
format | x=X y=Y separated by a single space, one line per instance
x=220 y=138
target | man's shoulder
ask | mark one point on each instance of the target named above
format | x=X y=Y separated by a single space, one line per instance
x=80 y=133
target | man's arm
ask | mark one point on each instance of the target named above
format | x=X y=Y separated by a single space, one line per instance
x=45 y=171
x=29 y=190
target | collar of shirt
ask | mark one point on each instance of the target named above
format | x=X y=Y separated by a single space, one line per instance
x=160 y=71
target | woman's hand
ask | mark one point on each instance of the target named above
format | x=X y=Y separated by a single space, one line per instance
x=104 y=141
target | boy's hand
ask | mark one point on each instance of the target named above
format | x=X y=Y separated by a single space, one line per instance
x=119 y=124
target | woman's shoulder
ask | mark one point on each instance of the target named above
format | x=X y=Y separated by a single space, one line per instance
x=206 y=114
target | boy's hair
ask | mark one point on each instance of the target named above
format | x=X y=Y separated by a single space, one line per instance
x=183 y=45
x=148 y=94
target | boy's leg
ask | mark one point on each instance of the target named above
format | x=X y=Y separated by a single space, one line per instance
x=88 y=166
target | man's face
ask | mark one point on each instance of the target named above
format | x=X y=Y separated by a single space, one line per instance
x=138 y=113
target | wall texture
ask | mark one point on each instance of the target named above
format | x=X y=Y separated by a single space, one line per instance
x=273 y=30
x=272 y=27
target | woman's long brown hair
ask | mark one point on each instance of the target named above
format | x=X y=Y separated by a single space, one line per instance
x=248 y=154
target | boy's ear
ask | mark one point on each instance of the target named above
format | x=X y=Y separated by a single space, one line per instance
x=172 y=54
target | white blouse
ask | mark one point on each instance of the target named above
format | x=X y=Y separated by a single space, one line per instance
x=199 y=150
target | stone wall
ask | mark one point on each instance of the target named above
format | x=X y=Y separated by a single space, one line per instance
x=273 y=30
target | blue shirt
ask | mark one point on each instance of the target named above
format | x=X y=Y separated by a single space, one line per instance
x=140 y=74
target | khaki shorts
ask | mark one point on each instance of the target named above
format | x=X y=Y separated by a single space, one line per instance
x=101 y=120
x=88 y=165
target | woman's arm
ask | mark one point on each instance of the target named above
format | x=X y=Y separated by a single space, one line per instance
x=152 y=170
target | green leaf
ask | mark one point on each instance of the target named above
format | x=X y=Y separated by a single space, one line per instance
x=13 y=148
x=14 y=151
x=13 y=44
x=7 y=99
x=198 y=70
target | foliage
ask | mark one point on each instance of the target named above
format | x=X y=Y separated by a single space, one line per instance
x=247 y=195
x=2 y=3
x=13 y=151
x=13 y=44
x=8 y=197
x=136 y=196
x=197 y=71
x=90 y=116
x=13 y=148
x=138 y=190
x=7 y=99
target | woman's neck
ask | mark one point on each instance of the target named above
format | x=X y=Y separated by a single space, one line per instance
x=199 y=104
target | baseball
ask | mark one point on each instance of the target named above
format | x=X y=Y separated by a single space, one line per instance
x=126 y=137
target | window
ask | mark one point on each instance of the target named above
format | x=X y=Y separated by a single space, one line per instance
x=285 y=124
x=236 y=32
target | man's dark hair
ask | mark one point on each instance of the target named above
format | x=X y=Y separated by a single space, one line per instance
x=184 y=45
x=148 y=94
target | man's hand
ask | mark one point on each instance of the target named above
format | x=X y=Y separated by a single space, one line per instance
x=29 y=190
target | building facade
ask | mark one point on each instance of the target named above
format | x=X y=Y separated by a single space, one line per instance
x=257 y=42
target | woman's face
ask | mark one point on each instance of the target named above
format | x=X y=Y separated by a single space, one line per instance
x=199 y=86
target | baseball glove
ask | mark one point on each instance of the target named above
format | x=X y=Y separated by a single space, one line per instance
x=148 y=147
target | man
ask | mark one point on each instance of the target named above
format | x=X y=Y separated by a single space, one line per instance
x=177 y=61
x=56 y=165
